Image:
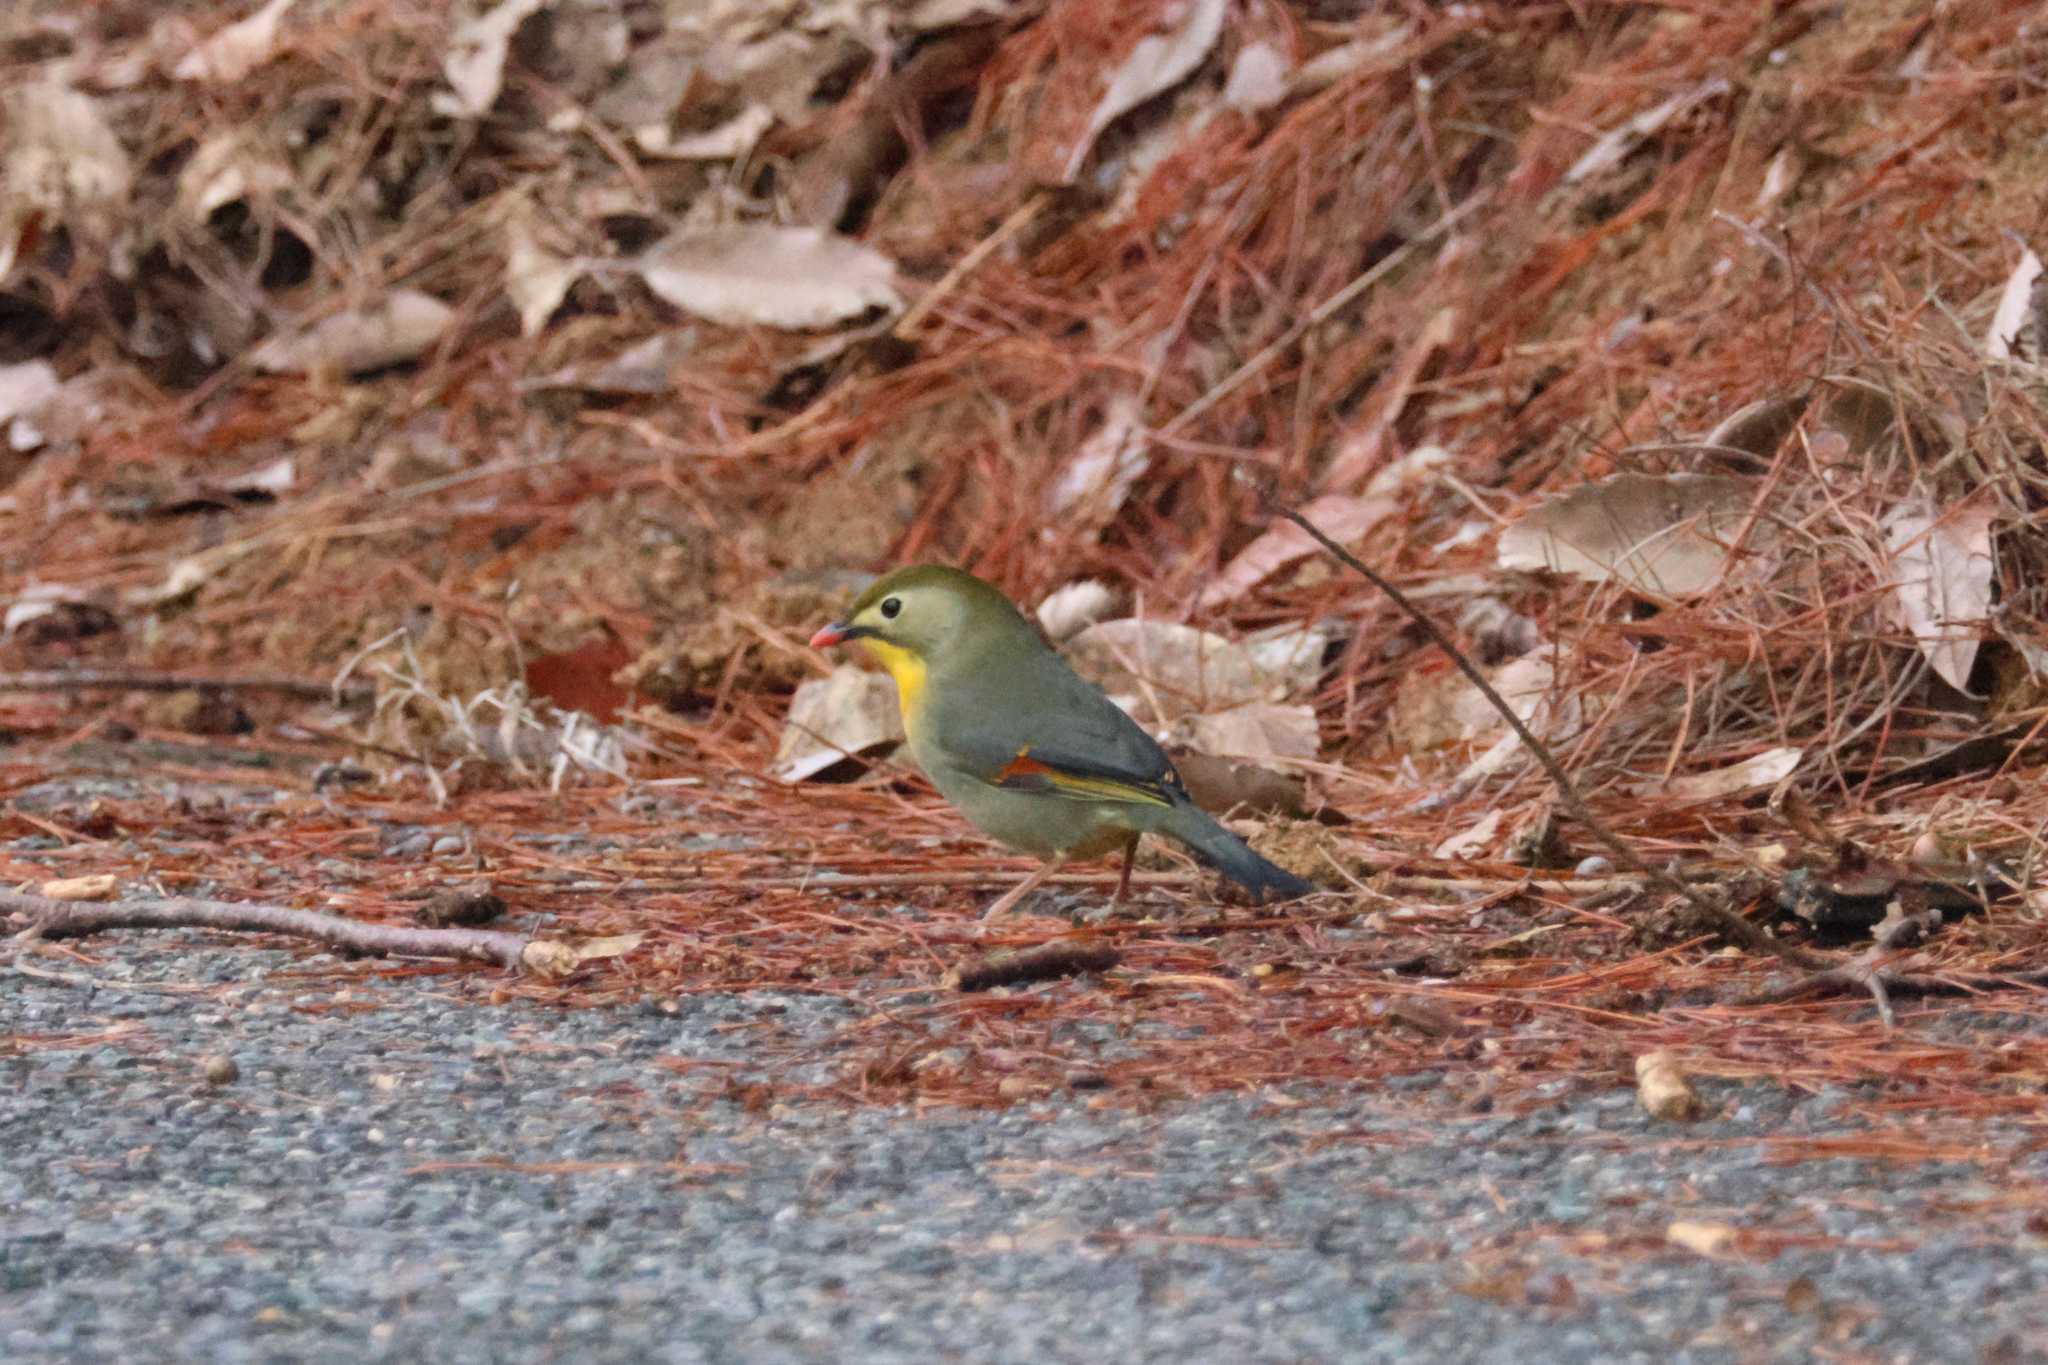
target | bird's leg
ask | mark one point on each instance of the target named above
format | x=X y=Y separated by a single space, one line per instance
x=1024 y=888
x=1123 y=883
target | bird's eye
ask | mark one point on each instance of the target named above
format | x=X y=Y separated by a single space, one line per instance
x=892 y=607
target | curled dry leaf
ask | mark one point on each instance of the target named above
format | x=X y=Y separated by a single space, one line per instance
x=1708 y=1239
x=1941 y=571
x=1665 y=535
x=1766 y=769
x=536 y=279
x=1220 y=786
x=1258 y=78
x=236 y=50
x=1757 y=428
x=99 y=886
x=645 y=367
x=59 y=162
x=2008 y=337
x=475 y=64
x=546 y=957
x=25 y=389
x=729 y=141
x=1664 y=1089
x=1293 y=655
x=1470 y=843
x=1256 y=732
x=1068 y=611
x=1159 y=62
x=391 y=332
x=1529 y=686
x=1328 y=68
x=1339 y=516
x=227 y=169
x=753 y=273
x=1098 y=476
x=1177 y=670
x=851 y=713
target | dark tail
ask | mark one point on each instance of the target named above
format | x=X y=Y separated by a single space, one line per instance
x=1231 y=856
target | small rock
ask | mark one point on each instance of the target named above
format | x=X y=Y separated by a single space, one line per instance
x=220 y=1069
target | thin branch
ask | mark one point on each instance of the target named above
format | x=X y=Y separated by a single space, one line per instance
x=1733 y=925
x=51 y=919
x=118 y=680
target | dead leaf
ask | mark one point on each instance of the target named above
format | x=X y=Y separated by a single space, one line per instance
x=1781 y=175
x=227 y=169
x=1665 y=535
x=273 y=478
x=544 y=957
x=396 y=330
x=1708 y=1239
x=1217 y=785
x=1291 y=655
x=236 y=50
x=729 y=141
x=1068 y=611
x=646 y=367
x=1472 y=842
x=60 y=161
x=1664 y=1089
x=580 y=679
x=1341 y=517
x=98 y=887
x=475 y=64
x=1330 y=67
x=613 y=945
x=1098 y=476
x=536 y=279
x=788 y=277
x=1258 y=78
x=1180 y=668
x=1941 y=567
x=1766 y=769
x=1757 y=428
x=1256 y=732
x=24 y=391
x=851 y=713
x=2015 y=307
x=1159 y=62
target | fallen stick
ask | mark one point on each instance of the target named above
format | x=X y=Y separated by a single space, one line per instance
x=119 y=680
x=53 y=919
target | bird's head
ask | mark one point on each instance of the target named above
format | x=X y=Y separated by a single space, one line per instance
x=922 y=617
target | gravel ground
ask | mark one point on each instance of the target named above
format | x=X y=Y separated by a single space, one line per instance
x=403 y=1171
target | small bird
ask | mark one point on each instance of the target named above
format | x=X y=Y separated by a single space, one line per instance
x=1031 y=753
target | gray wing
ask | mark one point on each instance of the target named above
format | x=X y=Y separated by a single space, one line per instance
x=1070 y=741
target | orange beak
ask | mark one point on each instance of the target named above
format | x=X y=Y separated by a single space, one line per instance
x=828 y=636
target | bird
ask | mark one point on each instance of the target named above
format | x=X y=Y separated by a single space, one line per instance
x=1030 y=752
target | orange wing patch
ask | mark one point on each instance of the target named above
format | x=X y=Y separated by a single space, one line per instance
x=1028 y=773
x=1023 y=765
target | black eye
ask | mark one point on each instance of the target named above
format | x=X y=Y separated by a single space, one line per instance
x=892 y=607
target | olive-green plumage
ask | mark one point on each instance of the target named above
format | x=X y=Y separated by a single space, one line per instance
x=1030 y=752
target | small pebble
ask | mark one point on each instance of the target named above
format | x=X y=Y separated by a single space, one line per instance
x=220 y=1069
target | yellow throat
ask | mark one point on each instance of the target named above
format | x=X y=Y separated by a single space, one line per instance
x=909 y=672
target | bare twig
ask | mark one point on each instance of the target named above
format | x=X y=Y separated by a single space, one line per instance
x=1733 y=925
x=50 y=919
x=120 y=680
